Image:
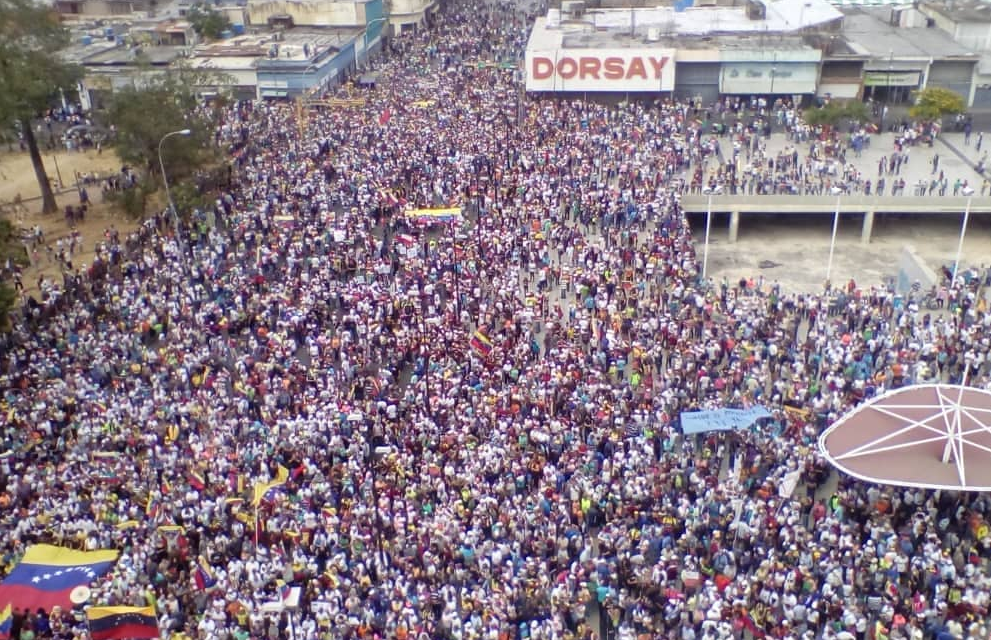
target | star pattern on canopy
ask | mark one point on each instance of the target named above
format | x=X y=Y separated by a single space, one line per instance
x=920 y=426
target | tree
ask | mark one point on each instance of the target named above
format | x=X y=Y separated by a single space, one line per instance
x=207 y=22
x=11 y=248
x=169 y=101
x=31 y=74
x=834 y=112
x=160 y=104
x=935 y=102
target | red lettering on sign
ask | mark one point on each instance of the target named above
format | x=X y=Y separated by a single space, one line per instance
x=567 y=68
x=614 y=68
x=637 y=68
x=543 y=68
x=589 y=67
x=592 y=67
x=658 y=64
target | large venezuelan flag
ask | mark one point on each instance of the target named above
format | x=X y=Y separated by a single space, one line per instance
x=47 y=574
x=108 y=623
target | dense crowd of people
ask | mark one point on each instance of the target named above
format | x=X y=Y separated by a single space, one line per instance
x=471 y=429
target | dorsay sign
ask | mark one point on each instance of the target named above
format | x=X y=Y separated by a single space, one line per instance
x=613 y=70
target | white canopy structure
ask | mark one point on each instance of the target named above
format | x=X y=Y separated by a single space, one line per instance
x=932 y=436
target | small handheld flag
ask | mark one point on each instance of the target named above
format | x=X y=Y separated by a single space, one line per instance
x=481 y=344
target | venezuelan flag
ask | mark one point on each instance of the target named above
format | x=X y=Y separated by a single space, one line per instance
x=6 y=622
x=481 y=344
x=196 y=481
x=284 y=590
x=107 y=623
x=47 y=574
x=152 y=508
x=262 y=488
x=203 y=576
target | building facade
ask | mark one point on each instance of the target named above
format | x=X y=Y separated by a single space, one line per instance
x=770 y=48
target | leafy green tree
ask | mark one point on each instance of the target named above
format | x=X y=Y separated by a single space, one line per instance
x=161 y=104
x=13 y=249
x=31 y=74
x=856 y=111
x=208 y=22
x=935 y=102
x=834 y=112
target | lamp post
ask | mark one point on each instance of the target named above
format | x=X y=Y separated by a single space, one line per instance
x=887 y=89
x=801 y=16
x=963 y=232
x=165 y=181
x=774 y=72
x=832 y=240
x=708 y=228
x=369 y=24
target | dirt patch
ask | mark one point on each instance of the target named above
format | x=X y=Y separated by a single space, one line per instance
x=17 y=178
x=18 y=175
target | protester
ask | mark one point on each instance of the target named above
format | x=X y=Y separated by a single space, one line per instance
x=472 y=429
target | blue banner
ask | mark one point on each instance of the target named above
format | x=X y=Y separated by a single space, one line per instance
x=721 y=419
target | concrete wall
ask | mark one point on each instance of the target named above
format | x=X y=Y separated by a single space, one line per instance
x=409 y=11
x=942 y=21
x=976 y=35
x=316 y=13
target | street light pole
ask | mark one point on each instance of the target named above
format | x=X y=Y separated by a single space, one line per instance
x=708 y=228
x=963 y=232
x=168 y=194
x=832 y=240
x=774 y=72
x=887 y=89
x=369 y=24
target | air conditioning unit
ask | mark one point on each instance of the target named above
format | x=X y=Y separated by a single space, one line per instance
x=573 y=9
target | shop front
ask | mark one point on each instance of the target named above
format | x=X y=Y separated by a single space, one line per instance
x=892 y=86
x=601 y=70
x=772 y=77
x=955 y=75
x=697 y=81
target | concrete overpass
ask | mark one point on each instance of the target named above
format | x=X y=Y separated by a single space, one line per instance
x=868 y=206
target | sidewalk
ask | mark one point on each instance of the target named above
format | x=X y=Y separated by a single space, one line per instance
x=919 y=166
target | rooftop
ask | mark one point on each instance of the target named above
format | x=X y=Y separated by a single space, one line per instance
x=869 y=30
x=246 y=45
x=308 y=45
x=962 y=10
x=165 y=26
x=723 y=42
x=224 y=63
x=870 y=3
x=123 y=55
x=780 y=16
x=78 y=51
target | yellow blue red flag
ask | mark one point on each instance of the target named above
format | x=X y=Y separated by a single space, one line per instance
x=47 y=574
